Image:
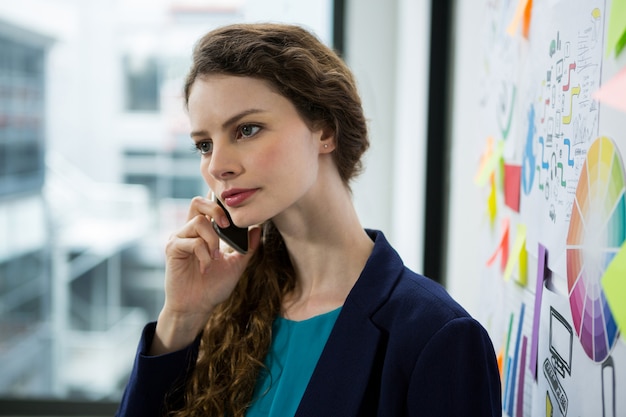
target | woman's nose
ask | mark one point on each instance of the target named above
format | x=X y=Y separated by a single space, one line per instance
x=224 y=162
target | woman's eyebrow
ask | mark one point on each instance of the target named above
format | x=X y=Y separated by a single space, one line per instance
x=230 y=121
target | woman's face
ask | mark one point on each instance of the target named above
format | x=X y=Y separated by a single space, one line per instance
x=258 y=154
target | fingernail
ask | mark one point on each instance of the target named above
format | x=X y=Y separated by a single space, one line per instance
x=216 y=254
x=223 y=221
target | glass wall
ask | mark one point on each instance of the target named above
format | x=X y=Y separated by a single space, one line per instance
x=96 y=170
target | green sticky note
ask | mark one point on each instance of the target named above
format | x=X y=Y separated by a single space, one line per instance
x=616 y=38
x=614 y=285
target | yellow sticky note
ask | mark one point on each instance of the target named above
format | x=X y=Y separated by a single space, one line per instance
x=492 y=205
x=614 y=285
x=523 y=265
x=616 y=37
x=516 y=254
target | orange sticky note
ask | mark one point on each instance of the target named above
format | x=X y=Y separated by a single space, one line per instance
x=613 y=92
x=526 y=18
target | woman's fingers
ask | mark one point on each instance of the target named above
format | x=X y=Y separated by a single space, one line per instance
x=201 y=206
x=185 y=247
x=197 y=238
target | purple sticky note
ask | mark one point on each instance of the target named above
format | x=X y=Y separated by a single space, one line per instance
x=542 y=274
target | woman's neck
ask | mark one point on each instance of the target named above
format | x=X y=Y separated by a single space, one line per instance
x=328 y=249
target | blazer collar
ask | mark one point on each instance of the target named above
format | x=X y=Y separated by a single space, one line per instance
x=340 y=380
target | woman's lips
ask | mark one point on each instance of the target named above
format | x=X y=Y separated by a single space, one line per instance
x=235 y=197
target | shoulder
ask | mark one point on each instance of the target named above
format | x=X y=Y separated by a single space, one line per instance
x=419 y=302
x=400 y=301
x=394 y=294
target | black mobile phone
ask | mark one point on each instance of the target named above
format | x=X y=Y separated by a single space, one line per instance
x=233 y=236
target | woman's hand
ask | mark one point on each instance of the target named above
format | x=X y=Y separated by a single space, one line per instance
x=198 y=276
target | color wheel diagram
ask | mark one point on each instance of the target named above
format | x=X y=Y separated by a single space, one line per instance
x=597 y=230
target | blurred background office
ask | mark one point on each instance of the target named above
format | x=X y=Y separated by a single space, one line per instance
x=97 y=168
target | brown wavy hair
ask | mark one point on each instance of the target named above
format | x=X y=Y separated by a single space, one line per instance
x=323 y=90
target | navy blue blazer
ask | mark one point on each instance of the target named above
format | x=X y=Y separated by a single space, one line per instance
x=401 y=346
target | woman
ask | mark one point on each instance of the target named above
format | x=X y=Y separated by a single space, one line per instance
x=320 y=317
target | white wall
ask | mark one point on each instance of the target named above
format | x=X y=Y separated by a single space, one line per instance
x=465 y=206
x=387 y=47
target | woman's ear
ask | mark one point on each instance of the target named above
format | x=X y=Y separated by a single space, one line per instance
x=327 y=141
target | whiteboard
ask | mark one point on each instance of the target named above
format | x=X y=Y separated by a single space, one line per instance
x=538 y=207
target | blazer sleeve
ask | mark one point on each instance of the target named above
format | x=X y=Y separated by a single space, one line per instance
x=456 y=374
x=155 y=378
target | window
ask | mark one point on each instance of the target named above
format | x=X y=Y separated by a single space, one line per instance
x=21 y=116
x=81 y=247
x=142 y=83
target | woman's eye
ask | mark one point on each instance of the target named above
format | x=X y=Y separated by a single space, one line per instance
x=204 y=147
x=248 y=130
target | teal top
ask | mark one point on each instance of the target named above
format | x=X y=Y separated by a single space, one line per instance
x=296 y=348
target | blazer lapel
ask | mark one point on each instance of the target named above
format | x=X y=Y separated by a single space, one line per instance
x=349 y=366
x=340 y=380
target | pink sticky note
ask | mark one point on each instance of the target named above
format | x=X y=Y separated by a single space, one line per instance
x=512 y=182
x=613 y=92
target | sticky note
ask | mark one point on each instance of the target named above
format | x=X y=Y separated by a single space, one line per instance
x=616 y=36
x=481 y=174
x=542 y=274
x=503 y=246
x=517 y=17
x=517 y=255
x=519 y=403
x=614 y=284
x=507 y=361
x=500 y=361
x=613 y=92
x=526 y=18
x=512 y=183
x=492 y=202
x=489 y=161
x=522 y=262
